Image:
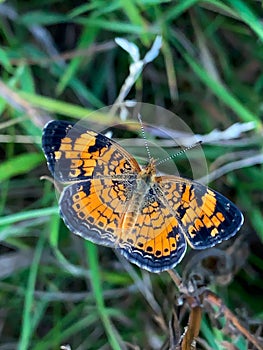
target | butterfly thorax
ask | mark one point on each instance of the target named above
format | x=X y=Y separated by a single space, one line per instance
x=148 y=173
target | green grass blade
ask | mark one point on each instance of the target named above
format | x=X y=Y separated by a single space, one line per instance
x=176 y=10
x=27 y=215
x=247 y=15
x=92 y=254
x=26 y=328
x=86 y=39
x=21 y=164
x=133 y=13
x=222 y=92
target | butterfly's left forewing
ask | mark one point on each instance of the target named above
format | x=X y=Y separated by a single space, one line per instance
x=75 y=153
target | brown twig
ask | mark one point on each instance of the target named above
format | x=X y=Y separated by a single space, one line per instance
x=175 y=277
x=67 y=55
x=214 y=300
x=193 y=329
x=22 y=105
x=194 y=324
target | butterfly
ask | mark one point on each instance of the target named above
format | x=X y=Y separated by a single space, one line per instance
x=109 y=199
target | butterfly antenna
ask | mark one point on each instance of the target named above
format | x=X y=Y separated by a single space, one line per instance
x=144 y=137
x=179 y=153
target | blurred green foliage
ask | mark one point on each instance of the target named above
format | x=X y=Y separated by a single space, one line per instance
x=59 y=60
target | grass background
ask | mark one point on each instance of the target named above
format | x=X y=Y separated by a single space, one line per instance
x=60 y=60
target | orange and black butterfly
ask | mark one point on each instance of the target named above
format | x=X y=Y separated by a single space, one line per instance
x=110 y=200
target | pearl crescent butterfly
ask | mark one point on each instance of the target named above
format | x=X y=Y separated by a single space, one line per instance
x=110 y=200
